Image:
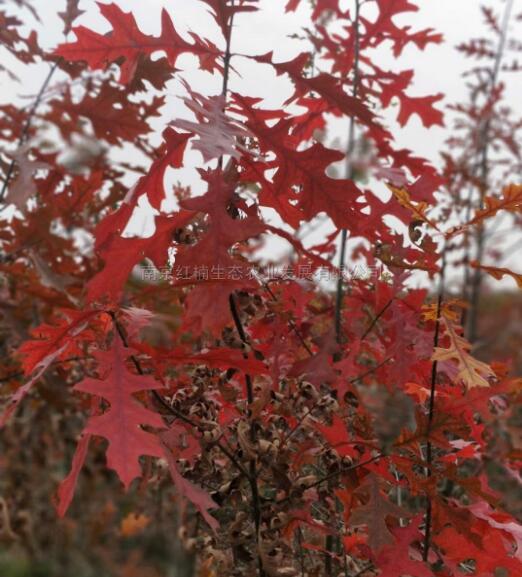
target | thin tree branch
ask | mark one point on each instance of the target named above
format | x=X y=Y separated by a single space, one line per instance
x=256 y=510
x=344 y=233
x=256 y=507
x=27 y=125
x=350 y=148
x=477 y=277
x=20 y=374
x=291 y=324
x=172 y=410
x=370 y=371
x=376 y=319
x=431 y=410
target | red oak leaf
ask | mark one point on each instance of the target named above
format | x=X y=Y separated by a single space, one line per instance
x=423 y=107
x=224 y=231
x=318 y=369
x=306 y=169
x=121 y=254
x=69 y=15
x=122 y=423
x=384 y=28
x=374 y=514
x=126 y=43
x=221 y=358
x=338 y=437
x=67 y=487
x=490 y=554
x=223 y=10
x=326 y=85
x=498 y=272
x=170 y=155
x=209 y=262
x=197 y=496
x=50 y=344
x=113 y=118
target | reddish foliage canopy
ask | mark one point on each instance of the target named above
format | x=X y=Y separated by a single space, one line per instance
x=384 y=446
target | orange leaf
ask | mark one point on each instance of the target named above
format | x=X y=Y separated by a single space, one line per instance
x=499 y=273
x=134 y=524
x=471 y=372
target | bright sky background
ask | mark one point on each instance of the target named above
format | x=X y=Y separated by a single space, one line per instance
x=437 y=69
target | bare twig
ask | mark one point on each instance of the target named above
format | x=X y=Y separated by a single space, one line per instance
x=20 y=374
x=27 y=125
x=350 y=149
x=477 y=277
x=376 y=319
x=252 y=476
x=291 y=324
x=344 y=232
x=431 y=410
x=256 y=507
x=172 y=410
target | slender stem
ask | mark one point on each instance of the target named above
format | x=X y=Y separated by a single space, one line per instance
x=226 y=68
x=376 y=319
x=256 y=506
x=20 y=374
x=467 y=258
x=350 y=148
x=335 y=474
x=228 y=54
x=27 y=125
x=345 y=558
x=172 y=410
x=431 y=410
x=476 y=282
x=301 y=551
x=256 y=509
x=340 y=286
x=344 y=234
x=328 y=560
x=291 y=324
x=370 y=371
x=344 y=470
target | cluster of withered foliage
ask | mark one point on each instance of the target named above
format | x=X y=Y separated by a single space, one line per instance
x=273 y=426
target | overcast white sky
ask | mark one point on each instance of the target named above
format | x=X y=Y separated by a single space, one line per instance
x=438 y=69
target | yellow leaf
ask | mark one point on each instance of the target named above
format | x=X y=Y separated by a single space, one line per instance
x=499 y=273
x=134 y=524
x=471 y=372
x=418 y=209
x=421 y=392
x=510 y=200
x=429 y=311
